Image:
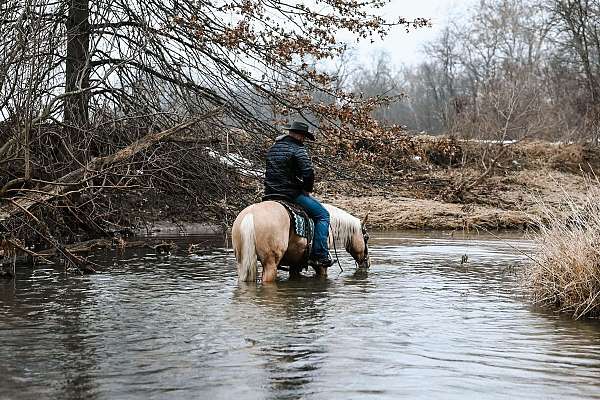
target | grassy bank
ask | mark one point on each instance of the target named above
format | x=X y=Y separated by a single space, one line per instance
x=566 y=272
x=449 y=184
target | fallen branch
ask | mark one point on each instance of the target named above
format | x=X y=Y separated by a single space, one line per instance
x=31 y=253
x=97 y=165
x=105 y=244
x=82 y=247
x=81 y=264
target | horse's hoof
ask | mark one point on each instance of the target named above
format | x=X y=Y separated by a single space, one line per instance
x=320 y=272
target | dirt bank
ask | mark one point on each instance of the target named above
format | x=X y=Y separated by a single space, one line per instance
x=529 y=176
x=411 y=183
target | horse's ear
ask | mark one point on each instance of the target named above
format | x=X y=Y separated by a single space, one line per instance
x=364 y=221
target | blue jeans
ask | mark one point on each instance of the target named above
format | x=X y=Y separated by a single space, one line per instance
x=320 y=215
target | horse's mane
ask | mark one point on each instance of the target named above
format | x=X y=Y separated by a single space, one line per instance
x=343 y=225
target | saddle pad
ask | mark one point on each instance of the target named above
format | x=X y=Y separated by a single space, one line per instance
x=303 y=225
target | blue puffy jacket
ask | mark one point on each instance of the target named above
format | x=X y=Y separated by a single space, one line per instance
x=289 y=169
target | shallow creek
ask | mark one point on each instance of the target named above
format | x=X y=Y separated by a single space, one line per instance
x=418 y=324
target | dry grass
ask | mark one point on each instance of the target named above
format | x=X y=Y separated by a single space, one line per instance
x=566 y=272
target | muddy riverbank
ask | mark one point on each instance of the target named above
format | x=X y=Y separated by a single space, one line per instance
x=419 y=187
x=510 y=202
x=442 y=183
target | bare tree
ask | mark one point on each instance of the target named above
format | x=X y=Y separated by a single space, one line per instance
x=579 y=21
x=83 y=81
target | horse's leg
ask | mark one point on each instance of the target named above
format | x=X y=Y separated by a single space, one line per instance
x=269 y=269
x=272 y=225
x=321 y=272
x=295 y=272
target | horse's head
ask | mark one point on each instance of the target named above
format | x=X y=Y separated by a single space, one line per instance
x=359 y=246
x=350 y=231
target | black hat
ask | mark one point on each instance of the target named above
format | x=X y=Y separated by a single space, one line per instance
x=300 y=127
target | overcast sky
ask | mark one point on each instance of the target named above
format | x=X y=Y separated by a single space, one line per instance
x=406 y=47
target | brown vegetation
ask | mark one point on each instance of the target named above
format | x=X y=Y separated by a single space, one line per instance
x=406 y=186
x=565 y=274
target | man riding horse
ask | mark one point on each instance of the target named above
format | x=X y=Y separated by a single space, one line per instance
x=290 y=174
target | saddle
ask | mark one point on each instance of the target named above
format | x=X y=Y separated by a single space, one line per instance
x=302 y=224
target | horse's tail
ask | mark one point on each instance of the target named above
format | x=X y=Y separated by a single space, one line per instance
x=247 y=267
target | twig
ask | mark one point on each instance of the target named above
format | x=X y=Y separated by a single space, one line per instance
x=26 y=250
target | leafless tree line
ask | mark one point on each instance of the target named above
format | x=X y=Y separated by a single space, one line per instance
x=510 y=69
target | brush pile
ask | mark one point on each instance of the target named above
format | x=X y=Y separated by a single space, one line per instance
x=403 y=152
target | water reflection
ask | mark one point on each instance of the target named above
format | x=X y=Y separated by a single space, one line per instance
x=285 y=327
x=419 y=324
x=47 y=334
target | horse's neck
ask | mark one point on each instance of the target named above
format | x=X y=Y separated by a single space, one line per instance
x=343 y=227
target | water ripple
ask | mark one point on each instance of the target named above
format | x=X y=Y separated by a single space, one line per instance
x=419 y=324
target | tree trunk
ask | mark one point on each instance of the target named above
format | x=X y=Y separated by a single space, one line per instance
x=77 y=69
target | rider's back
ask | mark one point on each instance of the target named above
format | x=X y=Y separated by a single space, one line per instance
x=289 y=170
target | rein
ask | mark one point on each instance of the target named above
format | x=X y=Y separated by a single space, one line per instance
x=365 y=238
x=337 y=258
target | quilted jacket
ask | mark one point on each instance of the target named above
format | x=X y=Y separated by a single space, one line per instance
x=289 y=169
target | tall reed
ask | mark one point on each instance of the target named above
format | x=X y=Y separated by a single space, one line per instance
x=565 y=274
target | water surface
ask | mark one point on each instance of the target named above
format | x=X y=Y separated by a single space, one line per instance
x=419 y=324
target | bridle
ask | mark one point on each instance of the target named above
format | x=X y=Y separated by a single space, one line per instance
x=366 y=239
x=365 y=235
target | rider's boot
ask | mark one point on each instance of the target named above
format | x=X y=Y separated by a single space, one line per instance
x=323 y=262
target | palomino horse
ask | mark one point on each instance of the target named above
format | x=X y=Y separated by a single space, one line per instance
x=263 y=231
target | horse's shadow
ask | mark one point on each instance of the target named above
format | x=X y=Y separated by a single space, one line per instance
x=360 y=274
x=282 y=323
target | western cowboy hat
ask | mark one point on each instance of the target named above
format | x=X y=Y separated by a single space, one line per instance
x=300 y=127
